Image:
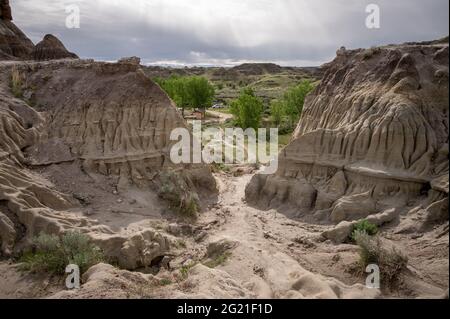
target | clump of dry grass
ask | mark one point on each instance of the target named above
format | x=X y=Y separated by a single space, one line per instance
x=390 y=261
x=16 y=82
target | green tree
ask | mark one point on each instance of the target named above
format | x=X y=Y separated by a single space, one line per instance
x=277 y=112
x=176 y=88
x=294 y=100
x=200 y=92
x=247 y=110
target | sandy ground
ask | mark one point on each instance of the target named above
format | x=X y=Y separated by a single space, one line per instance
x=266 y=248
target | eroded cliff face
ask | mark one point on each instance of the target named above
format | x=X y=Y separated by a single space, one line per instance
x=14 y=44
x=97 y=134
x=373 y=136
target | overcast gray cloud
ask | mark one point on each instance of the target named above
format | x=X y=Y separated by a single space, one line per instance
x=289 y=32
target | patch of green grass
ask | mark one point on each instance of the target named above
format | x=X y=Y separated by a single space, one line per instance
x=51 y=254
x=218 y=260
x=364 y=226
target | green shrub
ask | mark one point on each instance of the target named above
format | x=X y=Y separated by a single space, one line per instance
x=52 y=254
x=277 y=112
x=247 y=110
x=366 y=227
x=371 y=251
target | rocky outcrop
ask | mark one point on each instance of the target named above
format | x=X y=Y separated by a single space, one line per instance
x=50 y=48
x=14 y=45
x=130 y=60
x=111 y=123
x=110 y=116
x=373 y=136
x=108 y=121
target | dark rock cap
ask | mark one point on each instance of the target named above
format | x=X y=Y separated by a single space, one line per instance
x=50 y=48
x=5 y=10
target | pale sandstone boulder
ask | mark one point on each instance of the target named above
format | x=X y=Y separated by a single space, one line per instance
x=51 y=48
x=353 y=207
x=342 y=232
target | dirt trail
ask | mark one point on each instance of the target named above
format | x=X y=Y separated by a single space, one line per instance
x=273 y=253
x=274 y=256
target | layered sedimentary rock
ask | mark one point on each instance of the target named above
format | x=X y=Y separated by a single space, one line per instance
x=14 y=44
x=111 y=116
x=51 y=48
x=373 y=136
x=107 y=119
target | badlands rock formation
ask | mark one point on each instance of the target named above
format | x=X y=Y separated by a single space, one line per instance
x=99 y=131
x=373 y=137
x=14 y=44
x=50 y=48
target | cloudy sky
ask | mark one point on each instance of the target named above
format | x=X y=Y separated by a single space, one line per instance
x=227 y=32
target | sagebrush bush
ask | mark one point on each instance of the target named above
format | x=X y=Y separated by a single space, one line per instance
x=371 y=251
x=366 y=227
x=175 y=189
x=52 y=254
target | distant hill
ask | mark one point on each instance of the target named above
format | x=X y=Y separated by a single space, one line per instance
x=269 y=80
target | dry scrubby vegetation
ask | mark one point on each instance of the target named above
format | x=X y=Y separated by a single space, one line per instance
x=16 y=83
x=51 y=253
x=217 y=260
x=177 y=191
x=371 y=251
x=248 y=109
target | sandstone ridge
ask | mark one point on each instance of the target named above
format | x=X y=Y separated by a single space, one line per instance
x=373 y=136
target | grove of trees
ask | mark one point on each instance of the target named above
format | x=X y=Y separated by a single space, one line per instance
x=247 y=110
x=188 y=92
x=287 y=111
